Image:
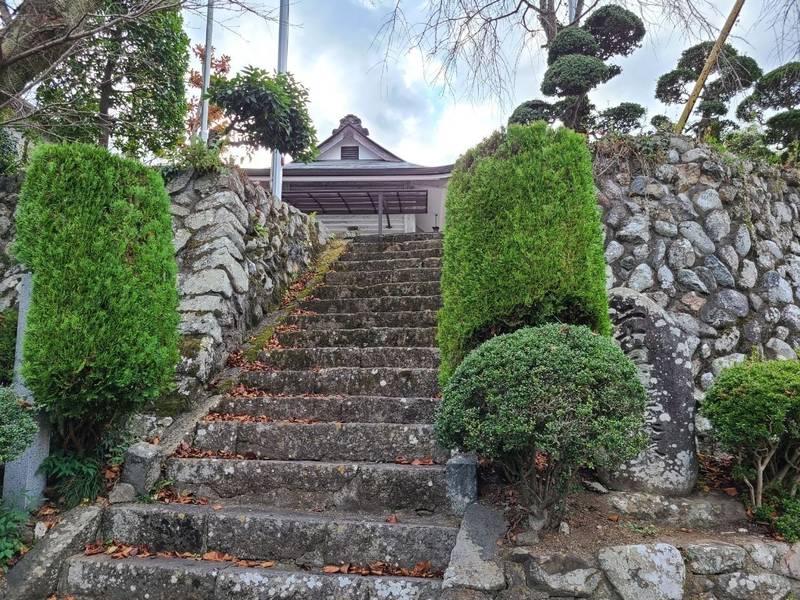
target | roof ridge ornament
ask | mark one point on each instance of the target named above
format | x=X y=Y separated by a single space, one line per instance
x=354 y=122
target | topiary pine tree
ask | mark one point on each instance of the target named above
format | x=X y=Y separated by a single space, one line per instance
x=576 y=59
x=734 y=73
x=778 y=89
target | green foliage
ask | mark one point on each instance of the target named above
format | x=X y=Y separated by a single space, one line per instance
x=12 y=521
x=750 y=143
x=661 y=123
x=77 y=478
x=266 y=111
x=102 y=335
x=788 y=523
x=125 y=85
x=530 y=111
x=545 y=401
x=618 y=31
x=780 y=88
x=8 y=345
x=17 y=426
x=623 y=118
x=196 y=154
x=755 y=410
x=9 y=153
x=576 y=74
x=784 y=128
x=572 y=40
x=524 y=243
x=734 y=73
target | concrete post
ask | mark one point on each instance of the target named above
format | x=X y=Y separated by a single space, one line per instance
x=23 y=484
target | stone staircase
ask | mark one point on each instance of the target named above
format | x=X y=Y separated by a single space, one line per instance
x=323 y=473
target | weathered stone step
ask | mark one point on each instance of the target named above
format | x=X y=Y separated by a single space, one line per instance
x=390 y=245
x=374 y=305
x=394 y=238
x=367 y=255
x=428 y=288
x=361 y=278
x=362 y=442
x=349 y=381
x=325 y=357
x=301 y=538
x=419 y=337
x=103 y=578
x=342 y=409
x=421 y=318
x=375 y=488
x=388 y=265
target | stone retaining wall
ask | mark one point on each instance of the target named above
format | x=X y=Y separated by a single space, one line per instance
x=238 y=249
x=739 y=569
x=716 y=243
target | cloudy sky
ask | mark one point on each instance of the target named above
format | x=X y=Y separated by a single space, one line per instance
x=333 y=51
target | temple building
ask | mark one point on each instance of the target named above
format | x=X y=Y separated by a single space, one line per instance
x=357 y=186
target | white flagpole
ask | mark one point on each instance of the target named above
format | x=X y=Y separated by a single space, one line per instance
x=206 y=72
x=276 y=173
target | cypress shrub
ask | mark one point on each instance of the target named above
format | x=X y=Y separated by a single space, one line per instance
x=523 y=240
x=8 y=345
x=102 y=337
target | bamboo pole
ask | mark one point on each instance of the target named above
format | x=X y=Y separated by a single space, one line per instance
x=710 y=62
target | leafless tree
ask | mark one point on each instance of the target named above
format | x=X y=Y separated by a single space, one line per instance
x=37 y=35
x=482 y=41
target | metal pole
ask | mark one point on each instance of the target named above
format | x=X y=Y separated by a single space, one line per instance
x=572 y=9
x=380 y=214
x=711 y=61
x=276 y=173
x=206 y=72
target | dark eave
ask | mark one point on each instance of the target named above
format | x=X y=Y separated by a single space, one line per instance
x=350 y=172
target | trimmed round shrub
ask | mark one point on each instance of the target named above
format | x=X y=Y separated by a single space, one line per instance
x=102 y=336
x=523 y=242
x=576 y=74
x=17 y=426
x=544 y=401
x=532 y=110
x=754 y=407
x=572 y=40
x=617 y=30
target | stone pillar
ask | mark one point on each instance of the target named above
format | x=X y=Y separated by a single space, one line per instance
x=663 y=356
x=23 y=484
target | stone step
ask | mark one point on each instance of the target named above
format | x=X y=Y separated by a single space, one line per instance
x=103 y=578
x=394 y=238
x=361 y=278
x=342 y=409
x=327 y=357
x=365 y=254
x=418 y=337
x=362 y=442
x=300 y=538
x=376 y=488
x=374 y=305
x=420 y=318
x=349 y=381
x=428 y=288
x=392 y=245
x=389 y=265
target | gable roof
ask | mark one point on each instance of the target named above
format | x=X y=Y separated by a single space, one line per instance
x=350 y=127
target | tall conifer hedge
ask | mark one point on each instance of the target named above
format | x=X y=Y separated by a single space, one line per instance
x=102 y=336
x=523 y=240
